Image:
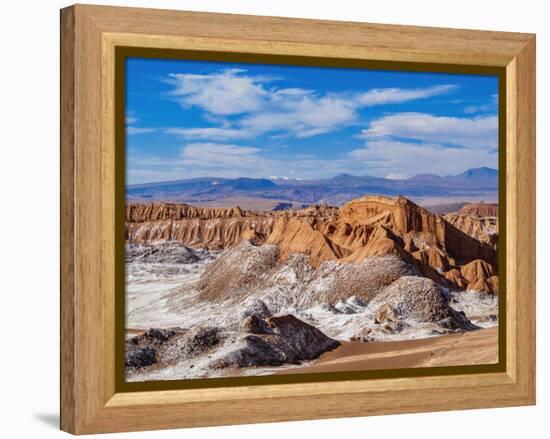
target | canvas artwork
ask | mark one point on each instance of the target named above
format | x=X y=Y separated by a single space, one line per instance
x=285 y=219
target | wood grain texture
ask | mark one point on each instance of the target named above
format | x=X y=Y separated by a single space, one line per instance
x=67 y=254
x=90 y=34
x=372 y=41
x=522 y=253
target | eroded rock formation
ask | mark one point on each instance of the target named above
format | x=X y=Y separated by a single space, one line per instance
x=484 y=229
x=370 y=226
x=261 y=339
x=480 y=209
x=273 y=341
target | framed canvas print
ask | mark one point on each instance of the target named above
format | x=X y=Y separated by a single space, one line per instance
x=271 y=219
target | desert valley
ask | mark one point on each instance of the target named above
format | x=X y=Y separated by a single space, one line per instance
x=353 y=281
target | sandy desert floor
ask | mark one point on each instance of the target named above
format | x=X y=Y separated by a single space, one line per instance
x=477 y=347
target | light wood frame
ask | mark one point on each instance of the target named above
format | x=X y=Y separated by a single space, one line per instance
x=89 y=36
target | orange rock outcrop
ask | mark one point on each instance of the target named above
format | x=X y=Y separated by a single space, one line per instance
x=365 y=227
x=483 y=229
x=479 y=209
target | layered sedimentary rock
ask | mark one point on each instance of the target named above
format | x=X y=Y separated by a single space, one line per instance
x=371 y=226
x=484 y=229
x=479 y=209
x=208 y=227
x=172 y=211
x=292 y=235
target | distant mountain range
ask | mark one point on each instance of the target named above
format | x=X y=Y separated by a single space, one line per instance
x=471 y=184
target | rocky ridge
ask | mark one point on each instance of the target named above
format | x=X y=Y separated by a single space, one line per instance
x=480 y=209
x=370 y=226
x=259 y=339
x=484 y=229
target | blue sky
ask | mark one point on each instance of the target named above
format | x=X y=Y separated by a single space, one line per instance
x=187 y=119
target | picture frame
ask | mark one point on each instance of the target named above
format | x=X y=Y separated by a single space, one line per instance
x=92 y=398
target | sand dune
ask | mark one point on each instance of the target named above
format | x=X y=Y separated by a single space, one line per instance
x=478 y=347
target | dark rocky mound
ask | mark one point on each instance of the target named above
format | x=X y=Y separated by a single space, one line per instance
x=136 y=358
x=409 y=301
x=259 y=340
x=141 y=350
x=201 y=340
x=273 y=341
x=169 y=345
x=420 y=299
x=171 y=252
x=255 y=307
x=364 y=280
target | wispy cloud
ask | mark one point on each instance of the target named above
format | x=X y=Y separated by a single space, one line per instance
x=131 y=130
x=403 y=143
x=303 y=115
x=231 y=160
x=381 y=96
x=408 y=142
x=137 y=130
x=254 y=126
x=211 y=154
x=214 y=133
x=490 y=107
x=407 y=158
x=476 y=132
x=259 y=107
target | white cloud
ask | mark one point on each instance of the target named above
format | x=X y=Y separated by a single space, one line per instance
x=241 y=108
x=230 y=160
x=214 y=133
x=304 y=115
x=140 y=175
x=473 y=109
x=209 y=150
x=377 y=157
x=411 y=143
x=380 y=96
x=135 y=130
x=406 y=158
x=130 y=118
x=259 y=107
x=485 y=108
x=223 y=93
x=132 y=130
x=477 y=132
x=215 y=155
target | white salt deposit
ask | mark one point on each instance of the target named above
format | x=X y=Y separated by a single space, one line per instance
x=161 y=295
